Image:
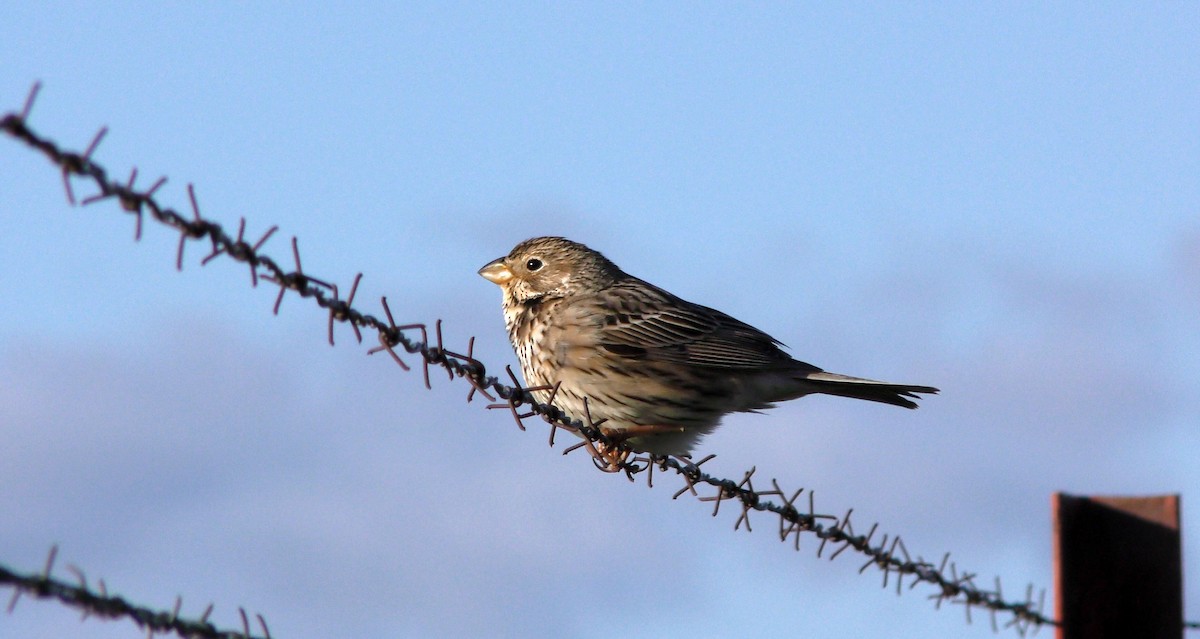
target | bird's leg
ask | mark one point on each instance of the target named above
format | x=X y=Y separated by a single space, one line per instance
x=604 y=458
x=611 y=458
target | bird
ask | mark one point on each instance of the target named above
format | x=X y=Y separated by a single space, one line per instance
x=655 y=371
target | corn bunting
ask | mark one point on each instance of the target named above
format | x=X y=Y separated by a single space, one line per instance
x=660 y=370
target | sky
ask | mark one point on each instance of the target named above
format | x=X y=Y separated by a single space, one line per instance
x=997 y=199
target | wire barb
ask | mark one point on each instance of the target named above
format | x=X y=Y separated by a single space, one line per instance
x=33 y=91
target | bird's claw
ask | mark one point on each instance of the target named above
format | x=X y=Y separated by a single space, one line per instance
x=610 y=458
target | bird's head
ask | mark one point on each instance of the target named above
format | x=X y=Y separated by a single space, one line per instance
x=549 y=267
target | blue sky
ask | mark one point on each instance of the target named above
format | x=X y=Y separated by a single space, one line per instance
x=996 y=199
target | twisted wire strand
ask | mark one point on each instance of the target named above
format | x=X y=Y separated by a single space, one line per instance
x=99 y=603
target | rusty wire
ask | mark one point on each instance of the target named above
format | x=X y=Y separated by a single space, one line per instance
x=99 y=603
x=888 y=554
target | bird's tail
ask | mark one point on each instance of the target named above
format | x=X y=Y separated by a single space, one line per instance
x=868 y=389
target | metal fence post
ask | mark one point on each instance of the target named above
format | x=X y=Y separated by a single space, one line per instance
x=1118 y=569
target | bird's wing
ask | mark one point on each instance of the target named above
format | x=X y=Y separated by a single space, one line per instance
x=642 y=321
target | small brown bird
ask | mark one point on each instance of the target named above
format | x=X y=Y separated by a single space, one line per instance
x=660 y=370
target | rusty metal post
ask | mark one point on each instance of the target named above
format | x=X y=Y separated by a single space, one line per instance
x=1118 y=567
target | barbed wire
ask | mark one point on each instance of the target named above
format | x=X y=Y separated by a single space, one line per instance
x=948 y=583
x=98 y=603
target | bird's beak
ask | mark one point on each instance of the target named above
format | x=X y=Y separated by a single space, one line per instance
x=496 y=272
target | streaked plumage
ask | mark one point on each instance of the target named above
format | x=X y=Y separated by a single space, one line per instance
x=660 y=369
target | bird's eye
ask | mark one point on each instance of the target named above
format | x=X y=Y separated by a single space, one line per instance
x=533 y=264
